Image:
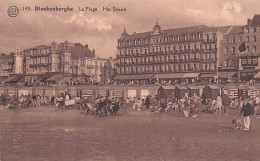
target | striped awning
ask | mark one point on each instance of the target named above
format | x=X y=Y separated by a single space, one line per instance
x=154 y=76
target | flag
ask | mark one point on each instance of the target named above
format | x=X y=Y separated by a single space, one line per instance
x=242 y=47
x=153 y=75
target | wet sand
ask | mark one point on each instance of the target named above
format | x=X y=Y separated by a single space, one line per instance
x=45 y=133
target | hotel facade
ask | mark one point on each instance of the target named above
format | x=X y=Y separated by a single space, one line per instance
x=169 y=55
x=185 y=54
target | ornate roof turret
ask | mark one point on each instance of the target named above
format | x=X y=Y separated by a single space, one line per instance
x=124 y=33
x=156 y=28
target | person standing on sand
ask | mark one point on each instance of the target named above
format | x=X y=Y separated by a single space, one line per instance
x=246 y=110
x=147 y=102
x=219 y=104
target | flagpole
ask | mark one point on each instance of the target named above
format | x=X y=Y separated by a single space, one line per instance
x=217 y=54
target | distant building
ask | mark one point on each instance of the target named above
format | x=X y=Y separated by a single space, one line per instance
x=249 y=60
x=63 y=58
x=6 y=64
x=108 y=71
x=94 y=68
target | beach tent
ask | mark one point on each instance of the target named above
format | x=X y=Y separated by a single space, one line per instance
x=166 y=92
x=211 y=91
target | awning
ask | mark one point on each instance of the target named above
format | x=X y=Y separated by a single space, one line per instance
x=226 y=74
x=154 y=76
x=257 y=75
x=10 y=78
x=80 y=79
x=2 y=78
x=178 y=75
x=66 y=79
x=55 y=77
x=14 y=78
x=28 y=79
x=210 y=75
x=43 y=78
x=135 y=77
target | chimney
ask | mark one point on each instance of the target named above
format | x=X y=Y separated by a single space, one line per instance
x=249 y=22
x=86 y=46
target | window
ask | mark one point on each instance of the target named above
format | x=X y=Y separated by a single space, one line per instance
x=247 y=39
x=226 y=62
x=185 y=37
x=226 y=50
x=207 y=37
x=247 y=30
x=233 y=50
x=254 y=38
x=214 y=36
x=247 y=48
x=254 y=49
x=195 y=36
x=226 y=40
x=233 y=40
x=254 y=29
x=244 y=61
x=255 y=61
x=240 y=39
x=200 y=35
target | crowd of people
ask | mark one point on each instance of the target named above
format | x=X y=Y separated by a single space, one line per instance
x=98 y=105
x=104 y=106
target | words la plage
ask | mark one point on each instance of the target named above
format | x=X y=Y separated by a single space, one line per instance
x=105 y=9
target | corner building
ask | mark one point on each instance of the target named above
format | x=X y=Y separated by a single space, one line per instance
x=172 y=55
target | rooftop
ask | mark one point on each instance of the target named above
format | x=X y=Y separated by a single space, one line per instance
x=256 y=20
x=177 y=31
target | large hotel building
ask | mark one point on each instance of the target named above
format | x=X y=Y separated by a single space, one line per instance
x=185 y=54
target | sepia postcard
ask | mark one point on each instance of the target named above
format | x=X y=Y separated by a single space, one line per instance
x=129 y=80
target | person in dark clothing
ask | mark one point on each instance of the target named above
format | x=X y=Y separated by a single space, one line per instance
x=246 y=110
x=52 y=101
x=147 y=102
x=4 y=100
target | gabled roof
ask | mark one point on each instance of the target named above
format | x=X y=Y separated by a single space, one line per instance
x=236 y=30
x=182 y=30
x=256 y=20
x=80 y=51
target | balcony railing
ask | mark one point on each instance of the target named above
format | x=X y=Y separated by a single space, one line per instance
x=38 y=65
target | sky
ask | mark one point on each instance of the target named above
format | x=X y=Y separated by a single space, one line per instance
x=100 y=30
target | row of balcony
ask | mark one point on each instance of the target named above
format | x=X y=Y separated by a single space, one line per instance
x=39 y=65
x=165 y=53
x=175 y=71
x=168 y=42
x=39 y=55
x=169 y=61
